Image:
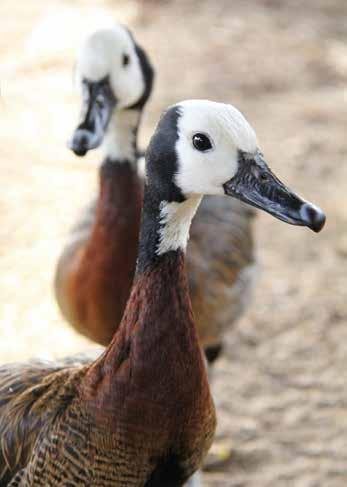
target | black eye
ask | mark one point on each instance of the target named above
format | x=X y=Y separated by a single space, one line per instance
x=125 y=60
x=201 y=142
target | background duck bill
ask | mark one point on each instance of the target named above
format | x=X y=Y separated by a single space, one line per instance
x=84 y=140
x=91 y=131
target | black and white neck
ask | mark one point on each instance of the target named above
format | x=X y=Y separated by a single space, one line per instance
x=165 y=228
x=120 y=141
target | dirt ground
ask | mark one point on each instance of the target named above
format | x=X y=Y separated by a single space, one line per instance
x=281 y=388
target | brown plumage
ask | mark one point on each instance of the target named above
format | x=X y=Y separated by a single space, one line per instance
x=95 y=272
x=141 y=414
x=31 y=395
x=221 y=266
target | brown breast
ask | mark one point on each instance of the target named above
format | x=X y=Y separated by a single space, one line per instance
x=151 y=383
x=95 y=272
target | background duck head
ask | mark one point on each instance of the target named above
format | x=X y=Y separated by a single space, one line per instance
x=113 y=74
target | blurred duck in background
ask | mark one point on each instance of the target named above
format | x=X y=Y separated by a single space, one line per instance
x=95 y=271
x=142 y=413
x=96 y=268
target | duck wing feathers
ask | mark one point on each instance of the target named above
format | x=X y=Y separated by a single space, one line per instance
x=220 y=265
x=78 y=236
x=32 y=394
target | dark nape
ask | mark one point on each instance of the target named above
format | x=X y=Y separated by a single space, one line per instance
x=148 y=76
x=161 y=166
x=161 y=158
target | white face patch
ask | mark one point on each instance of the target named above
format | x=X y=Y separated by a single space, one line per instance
x=111 y=52
x=176 y=219
x=228 y=130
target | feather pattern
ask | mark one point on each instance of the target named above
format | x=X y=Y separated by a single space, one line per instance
x=95 y=271
x=77 y=422
x=32 y=395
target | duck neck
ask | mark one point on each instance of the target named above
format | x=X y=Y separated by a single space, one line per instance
x=109 y=259
x=159 y=308
x=120 y=193
x=120 y=188
x=120 y=141
x=164 y=228
x=155 y=356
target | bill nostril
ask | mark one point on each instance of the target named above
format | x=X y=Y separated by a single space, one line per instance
x=313 y=216
x=263 y=176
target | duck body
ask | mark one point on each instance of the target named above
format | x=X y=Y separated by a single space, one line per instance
x=177 y=409
x=139 y=415
x=221 y=268
x=95 y=271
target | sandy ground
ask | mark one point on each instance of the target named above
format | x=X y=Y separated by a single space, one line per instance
x=281 y=388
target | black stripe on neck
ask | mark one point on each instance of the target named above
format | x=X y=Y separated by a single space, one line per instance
x=161 y=167
x=147 y=73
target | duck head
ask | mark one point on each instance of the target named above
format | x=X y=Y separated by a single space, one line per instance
x=210 y=148
x=113 y=73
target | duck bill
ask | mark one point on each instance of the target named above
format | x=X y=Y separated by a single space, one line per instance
x=98 y=105
x=256 y=185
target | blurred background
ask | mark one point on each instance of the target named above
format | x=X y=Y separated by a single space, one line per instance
x=281 y=387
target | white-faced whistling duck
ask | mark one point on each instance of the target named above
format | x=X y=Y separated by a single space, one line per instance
x=142 y=414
